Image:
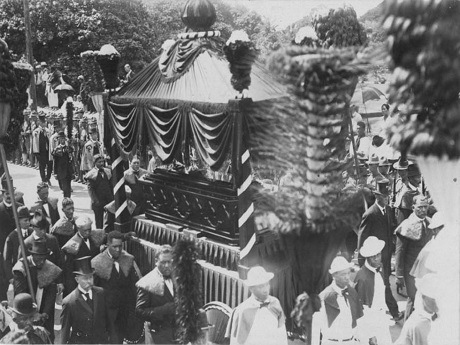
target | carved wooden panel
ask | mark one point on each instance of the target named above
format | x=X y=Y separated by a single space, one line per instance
x=207 y=206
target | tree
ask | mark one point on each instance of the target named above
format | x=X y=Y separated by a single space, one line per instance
x=340 y=28
x=62 y=29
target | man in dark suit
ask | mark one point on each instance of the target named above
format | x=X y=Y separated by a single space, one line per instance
x=84 y=315
x=11 y=251
x=340 y=309
x=85 y=242
x=115 y=273
x=39 y=224
x=46 y=281
x=376 y=222
x=7 y=226
x=40 y=147
x=99 y=189
x=155 y=298
x=46 y=203
x=63 y=165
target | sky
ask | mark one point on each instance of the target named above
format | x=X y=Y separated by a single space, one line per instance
x=282 y=13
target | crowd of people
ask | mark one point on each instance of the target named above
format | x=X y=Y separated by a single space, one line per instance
x=66 y=254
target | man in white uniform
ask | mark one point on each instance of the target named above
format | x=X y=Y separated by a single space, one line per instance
x=260 y=319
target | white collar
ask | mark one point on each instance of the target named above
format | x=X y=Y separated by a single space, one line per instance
x=424 y=313
x=7 y=204
x=337 y=288
x=90 y=291
x=36 y=237
x=382 y=209
x=373 y=269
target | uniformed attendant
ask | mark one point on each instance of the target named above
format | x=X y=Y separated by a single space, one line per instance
x=84 y=315
x=100 y=189
x=92 y=147
x=85 y=242
x=115 y=273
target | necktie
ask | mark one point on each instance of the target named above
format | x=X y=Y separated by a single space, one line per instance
x=378 y=269
x=265 y=304
x=117 y=266
x=357 y=142
x=345 y=294
x=88 y=300
x=101 y=171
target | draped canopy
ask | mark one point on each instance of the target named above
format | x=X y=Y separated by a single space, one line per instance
x=181 y=100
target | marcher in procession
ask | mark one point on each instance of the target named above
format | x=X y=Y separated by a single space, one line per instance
x=376 y=222
x=84 y=315
x=408 y=191
x=41 y=147
x=46 y=203
x=100 y=189
x=340 y=311
x=40 y=226
x=46 y=281
x=259 y=319
x=7 y=226
x=85 y=242
x=417 y=327
x=370 y=287
x=63 y=164
x=11 y=251
x=114 y=272
x=22 y=329
x=155 y=298
x=132 y=176
x=411 y=236
x=92 y=148
x=65 y=228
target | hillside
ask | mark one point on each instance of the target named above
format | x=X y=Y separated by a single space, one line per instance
x=374 y=14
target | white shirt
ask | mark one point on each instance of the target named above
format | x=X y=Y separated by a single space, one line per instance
x=85 y=241
x=378 y=302
x=382 y=209
x=168 y=283
x=83 y=292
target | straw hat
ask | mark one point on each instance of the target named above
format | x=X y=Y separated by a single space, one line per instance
x=373 y=159
x=372 y=246
x=258 y=276
x=339 y=264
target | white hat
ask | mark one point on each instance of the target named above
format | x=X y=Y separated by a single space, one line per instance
x=428 y=285
x=437 y=221
x=258 y=276
x=371 y=246
x=340 y=264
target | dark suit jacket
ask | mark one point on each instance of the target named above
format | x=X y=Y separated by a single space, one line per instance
x=81 y=324
x=119 y=288
x=69 y=257
x=156 y=308
x=52 y=206
x=11 y=252
x=374 y=223
x=365 y=285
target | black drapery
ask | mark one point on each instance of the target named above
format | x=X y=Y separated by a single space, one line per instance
x=126 y=125
x=171 y=130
